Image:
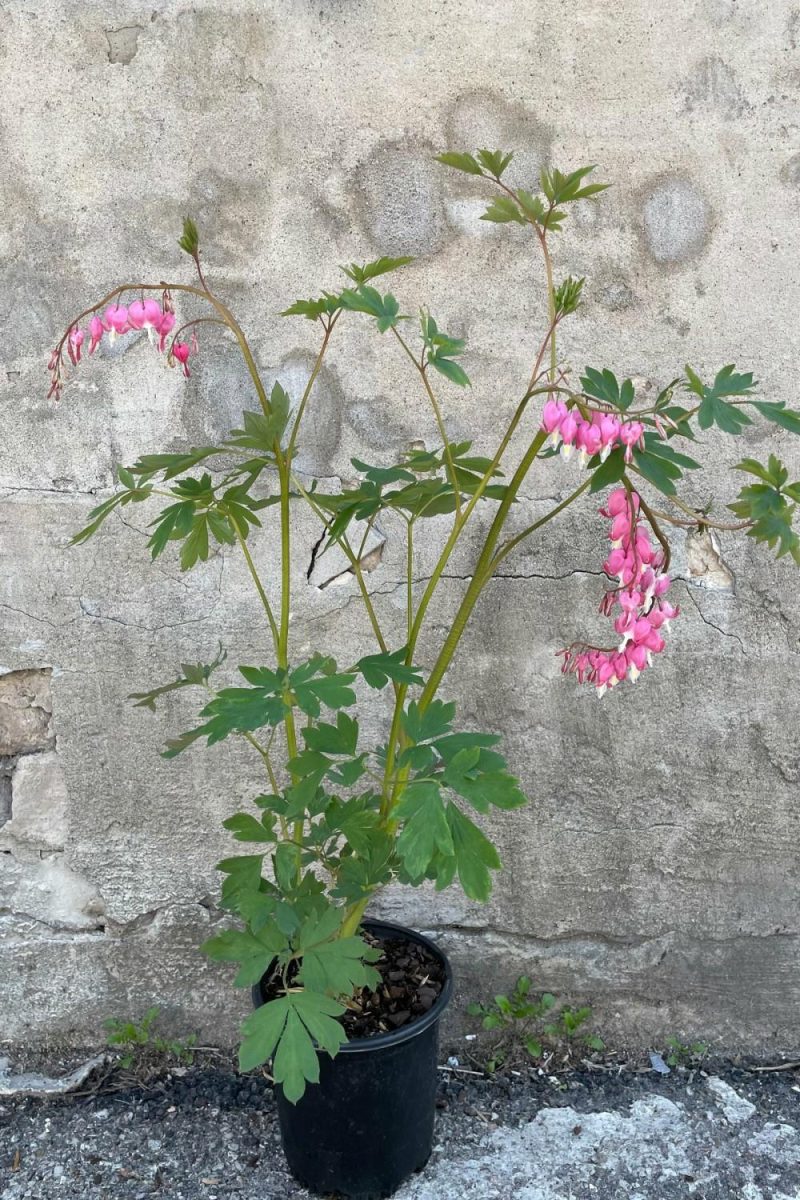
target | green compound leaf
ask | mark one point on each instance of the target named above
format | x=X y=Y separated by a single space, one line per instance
x=774 y=473
x=192 y=675
x=495 y=161
x=171 y=465
x=461 y=162
x=253 y=951
x=606 y=474
x=247 y=828
x=339 y=965
x=502 y=210
x=451 y=370
x=288 y=1028
x=658 y=471
x=312 y=310
x=385 y=309
x=317 y=682
x=714 y=409
x=371 y=270
x=341 y=738
x=425 y=829
x=260 y=432
x=432 y=722
x=474 y=854
x=483 y=788
x=779 y=414
x=604 y=386
x=768 y=506
x=380 y=669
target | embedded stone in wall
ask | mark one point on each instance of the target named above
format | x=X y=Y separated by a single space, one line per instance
x=484 y=119
x=26 y=712
x=321 y=430
x=713 y=84
x=6 y=767
x=400 y=193
x=676 y=220
x=123 y=43
x=38 y=805
x=45 y=892
x=790 y=172
x=705 y=564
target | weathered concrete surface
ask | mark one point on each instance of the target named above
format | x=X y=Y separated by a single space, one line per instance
x=580 y=1136
x=655 y=872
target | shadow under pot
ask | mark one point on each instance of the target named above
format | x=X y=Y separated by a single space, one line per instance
x=368 y=1124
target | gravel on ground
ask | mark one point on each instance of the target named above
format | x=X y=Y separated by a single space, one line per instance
x=206 y=1133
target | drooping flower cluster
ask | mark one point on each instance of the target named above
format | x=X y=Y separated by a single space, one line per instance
x=644 y=614
x=156 y=318
x=599 y=435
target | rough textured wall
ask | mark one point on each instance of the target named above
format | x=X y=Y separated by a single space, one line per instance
x=655 y=869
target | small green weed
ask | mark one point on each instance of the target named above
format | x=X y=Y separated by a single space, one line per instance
x=141 y=1041
x=682 y=1054
x=532 y=1026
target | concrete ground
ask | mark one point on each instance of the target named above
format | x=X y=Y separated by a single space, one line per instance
x=208 y=1134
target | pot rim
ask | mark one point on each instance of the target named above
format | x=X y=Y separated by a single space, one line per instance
x=381 y=1041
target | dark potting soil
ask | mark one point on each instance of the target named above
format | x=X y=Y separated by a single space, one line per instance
x=412 y=979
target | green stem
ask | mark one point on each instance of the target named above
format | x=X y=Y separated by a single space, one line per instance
x=551 y=302
x=355 y=564
x=352 y=920
x=304 y=399
x=257 y=581
x=508 y=546
x=410 y=578
x=427 y=596
x=479 y=577
x=451 y=468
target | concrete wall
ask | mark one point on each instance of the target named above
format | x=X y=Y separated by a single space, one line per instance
x=655 y=870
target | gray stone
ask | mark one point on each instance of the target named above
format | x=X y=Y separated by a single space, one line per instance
x=713 y=85
x=26 y=711
x=676 y=220
x=790 y=172
x=399 y=193
x=41 y=898
x=38 y=804
x=735 y=1107
x=123 y=43
x=704 y=562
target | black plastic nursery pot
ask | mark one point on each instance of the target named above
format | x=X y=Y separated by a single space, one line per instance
x=368 y=1124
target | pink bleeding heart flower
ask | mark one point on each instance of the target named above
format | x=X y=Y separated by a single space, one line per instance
x=553 y=414
x=74 y=343
x=588 y=440
x=568 y=431
x=617 y=502
x=96 y=331
x=615 y=561
x=152 y=313
x=164 y=329
x=609 y=432
x=629 y=434
x=115 y=319
x=181 y=352
x=136 y=314
x=620 y=529
x=639 y=615
x=637 y=661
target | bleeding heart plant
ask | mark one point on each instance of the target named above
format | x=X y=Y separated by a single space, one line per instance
x=334 y=821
